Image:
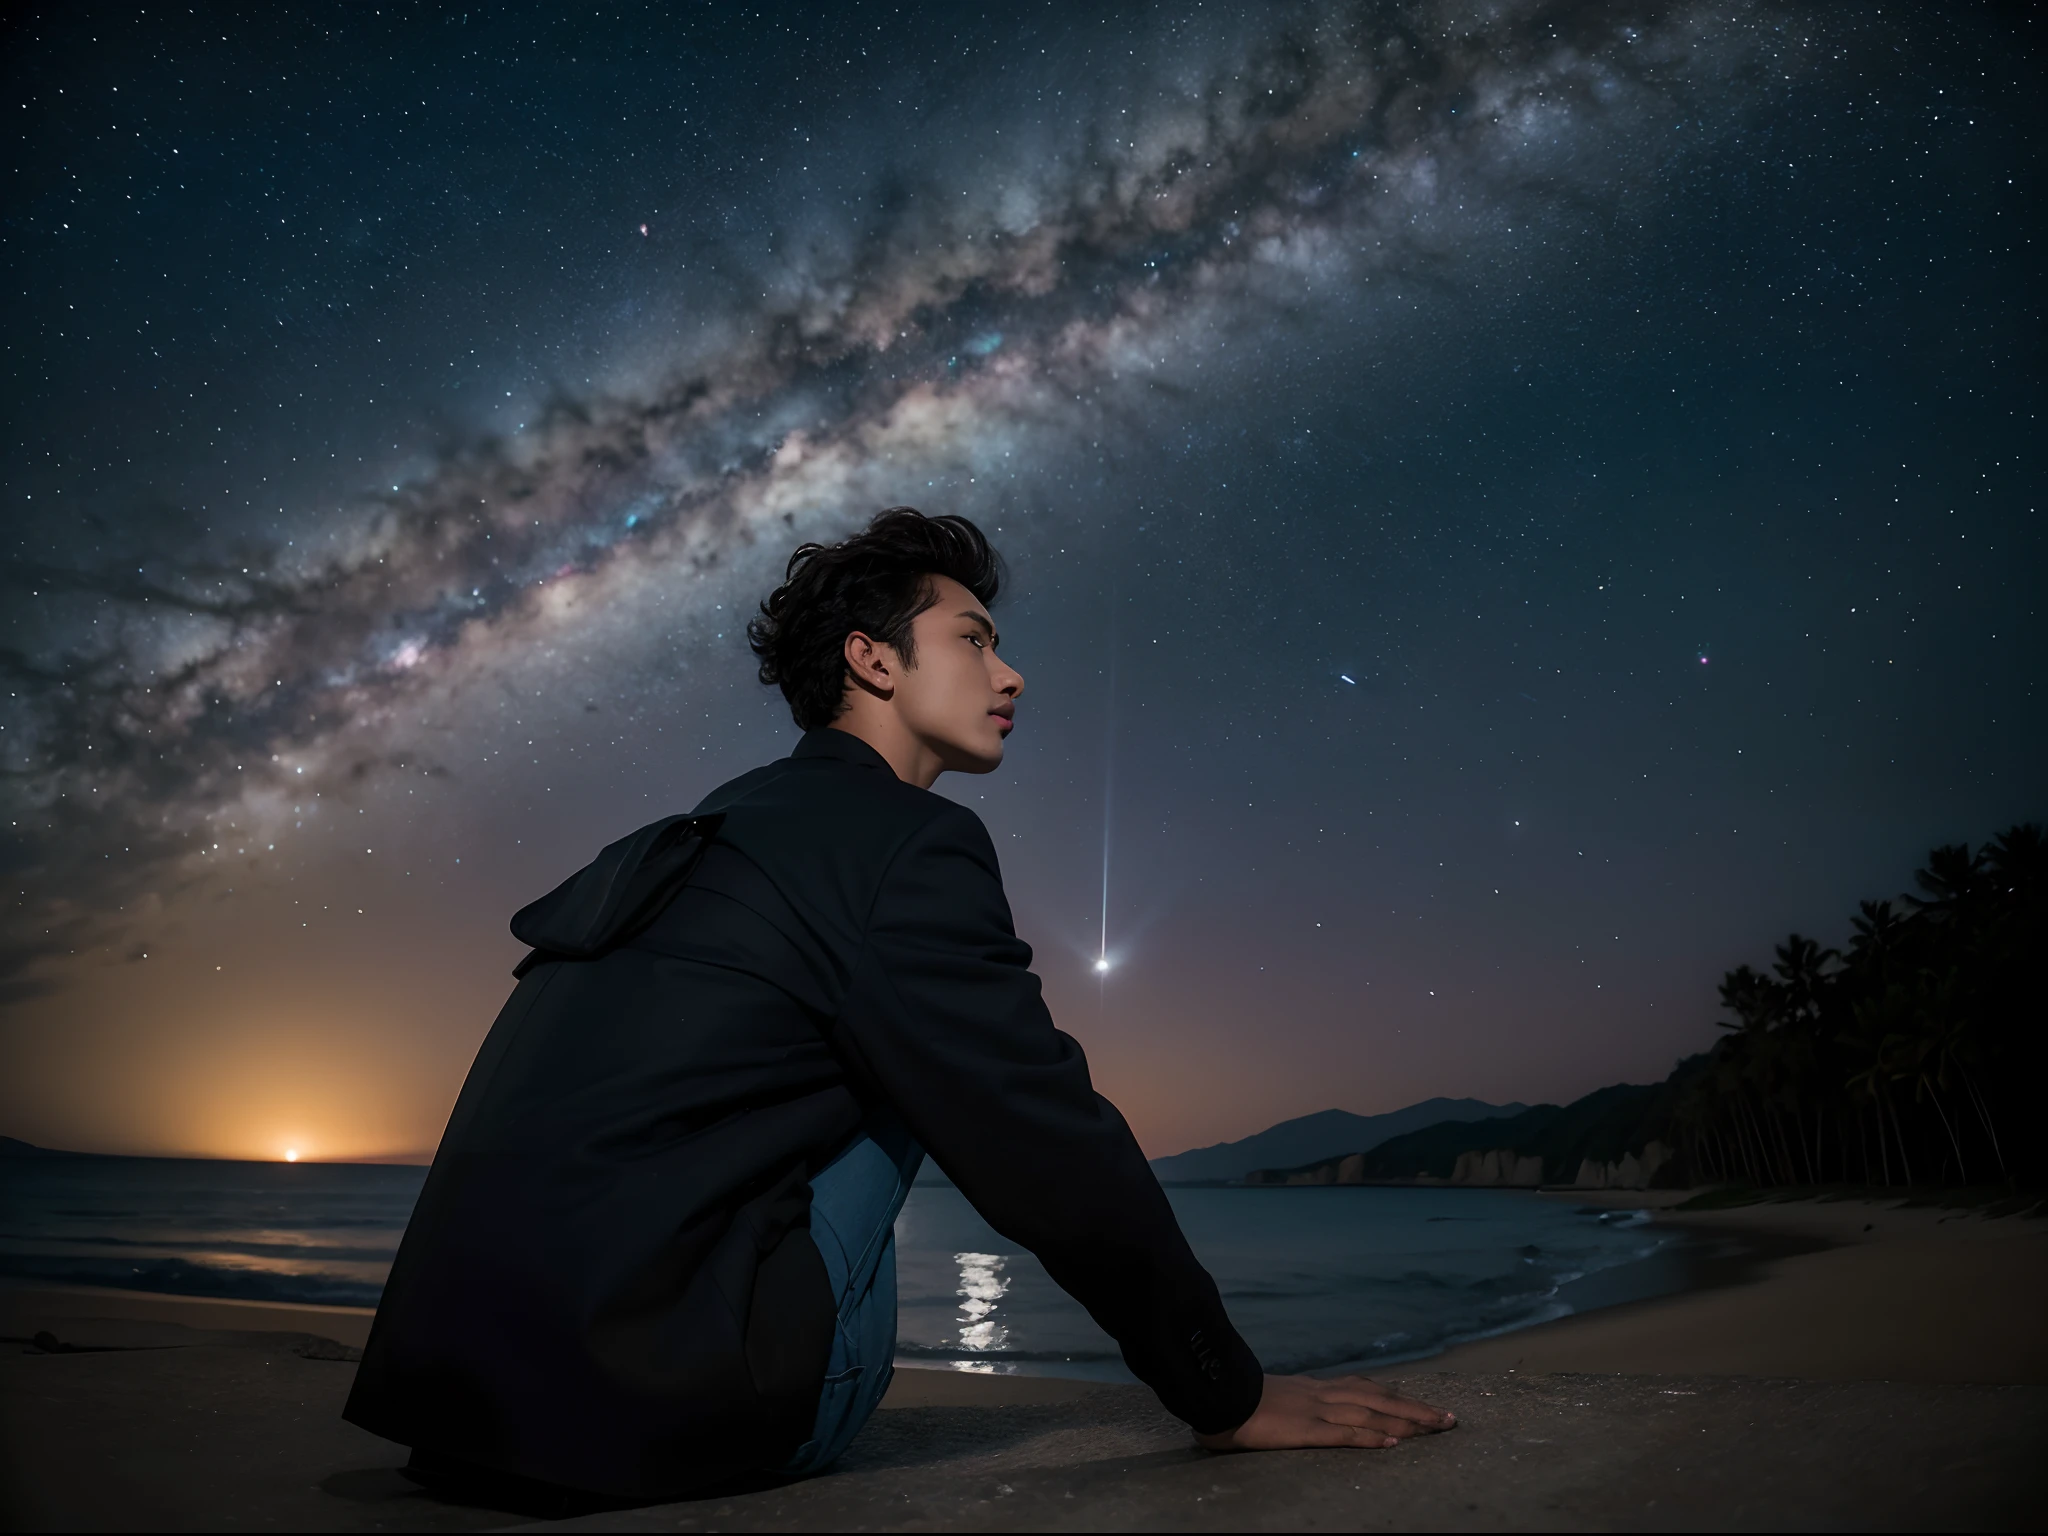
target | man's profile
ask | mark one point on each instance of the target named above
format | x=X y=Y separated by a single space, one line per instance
x=655 y=1251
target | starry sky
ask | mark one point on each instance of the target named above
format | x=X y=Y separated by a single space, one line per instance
x=1512 y=507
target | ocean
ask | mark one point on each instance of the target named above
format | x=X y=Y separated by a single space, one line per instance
x=1315 y=1278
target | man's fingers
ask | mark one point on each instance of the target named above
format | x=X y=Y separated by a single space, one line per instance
x=1325 y=1432
x=1409 y=1408
x=1370 y=1394
x=1350 y=1411
x=1372 y=1440
x=1364 y=1396
x=1352 y=1416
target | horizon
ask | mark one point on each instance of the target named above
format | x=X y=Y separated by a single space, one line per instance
x=423 y=1159
x=1502 y=527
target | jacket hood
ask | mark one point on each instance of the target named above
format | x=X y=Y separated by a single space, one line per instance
x=617 y=893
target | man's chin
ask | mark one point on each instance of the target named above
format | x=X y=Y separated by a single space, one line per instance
x=980 y=760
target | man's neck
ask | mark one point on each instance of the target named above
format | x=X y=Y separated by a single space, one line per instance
x=880 y=727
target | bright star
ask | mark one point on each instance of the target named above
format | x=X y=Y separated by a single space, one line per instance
x=1102 y=964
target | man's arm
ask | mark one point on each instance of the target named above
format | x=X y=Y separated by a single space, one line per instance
x=945 y=1018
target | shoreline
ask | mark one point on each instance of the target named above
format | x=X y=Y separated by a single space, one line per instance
x=344 y=1325
x=1802 y=1287
x=1833 y=1289
x=1615 y=1314
x=1841 y=1379
x=1669 y=1272
x=1695 y=1262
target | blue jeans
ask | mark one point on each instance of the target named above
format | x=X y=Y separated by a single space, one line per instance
x=854 y=1202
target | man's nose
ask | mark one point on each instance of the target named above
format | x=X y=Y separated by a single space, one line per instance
x=1009 y=680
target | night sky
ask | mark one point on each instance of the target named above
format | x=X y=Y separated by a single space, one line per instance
x=1512 y=508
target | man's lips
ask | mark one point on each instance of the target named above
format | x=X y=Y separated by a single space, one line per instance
x=1004 y=715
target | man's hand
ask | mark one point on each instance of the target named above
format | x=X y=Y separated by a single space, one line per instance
x=1299 y=1411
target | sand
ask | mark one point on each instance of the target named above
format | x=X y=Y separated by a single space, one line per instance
x=1903 y=1293
x=1896 y=1379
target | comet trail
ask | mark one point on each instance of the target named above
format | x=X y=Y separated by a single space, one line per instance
x=1108 y=788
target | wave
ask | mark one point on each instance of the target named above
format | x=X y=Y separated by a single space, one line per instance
x=1012 y=1356
x=1406 y=1343
x=182 y=1277
x=1638 y=1218
x=247 y=1249
x=1416 y=1344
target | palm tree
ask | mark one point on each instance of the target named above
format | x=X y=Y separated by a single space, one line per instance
x=1806 y=985
x=1884 y=1027
x=1951 y=1045
x=1953 y=880
x=1880 y=932
x=2017 y=862
x=1941 y=990
x=1921 y=1057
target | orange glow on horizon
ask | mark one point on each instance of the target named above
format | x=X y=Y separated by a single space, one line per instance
x=291 y=1154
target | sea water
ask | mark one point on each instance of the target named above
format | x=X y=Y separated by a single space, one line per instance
x=322 y=1233
x=1315 y=1278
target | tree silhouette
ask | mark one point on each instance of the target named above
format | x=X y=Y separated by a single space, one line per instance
x=1911 y=1051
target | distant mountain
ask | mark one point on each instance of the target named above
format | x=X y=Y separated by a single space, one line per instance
x=1621 y=1136
x=1311 y=1138
x=9 y=1147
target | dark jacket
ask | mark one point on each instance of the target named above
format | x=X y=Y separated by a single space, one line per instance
x=609 y=1281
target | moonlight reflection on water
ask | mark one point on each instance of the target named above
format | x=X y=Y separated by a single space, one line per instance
x=982 y=1286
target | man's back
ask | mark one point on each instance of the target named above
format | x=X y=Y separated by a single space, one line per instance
x=609 y=1282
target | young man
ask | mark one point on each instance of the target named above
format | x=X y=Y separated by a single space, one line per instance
x=655 y=1251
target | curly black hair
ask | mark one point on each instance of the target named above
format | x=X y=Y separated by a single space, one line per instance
x=876 y=582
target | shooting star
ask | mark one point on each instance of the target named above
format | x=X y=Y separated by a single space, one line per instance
x=1108 y=786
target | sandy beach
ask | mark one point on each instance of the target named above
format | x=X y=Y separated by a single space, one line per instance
x=1888 y=1368
x=1899 y=1293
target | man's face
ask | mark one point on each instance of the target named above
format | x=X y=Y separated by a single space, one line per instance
x=960 y=697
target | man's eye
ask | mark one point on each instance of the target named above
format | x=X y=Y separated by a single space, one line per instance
x=976 y=639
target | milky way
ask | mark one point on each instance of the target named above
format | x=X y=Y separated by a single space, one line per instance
x=1341 y=149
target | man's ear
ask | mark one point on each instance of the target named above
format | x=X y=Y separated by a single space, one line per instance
x=871 y=664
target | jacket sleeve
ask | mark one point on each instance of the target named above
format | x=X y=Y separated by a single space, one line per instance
x=945 y=1018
